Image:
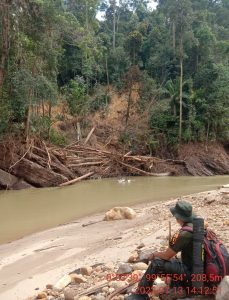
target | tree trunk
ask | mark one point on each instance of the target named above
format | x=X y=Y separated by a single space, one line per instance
x=27 y=123
x=50 y=109
x=4 y=10
x=32 y=173
x=181 y=88
x=108 y=81
x=128 y=106
x=190 y=111
x=114 y=24
x=174 y=38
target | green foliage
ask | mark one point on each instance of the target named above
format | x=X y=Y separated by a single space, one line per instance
x=52 y=46
x=75 y=94
x=41 y=126
x=100 y=102
x=56 y=138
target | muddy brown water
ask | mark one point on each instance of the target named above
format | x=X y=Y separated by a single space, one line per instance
x=27 y=211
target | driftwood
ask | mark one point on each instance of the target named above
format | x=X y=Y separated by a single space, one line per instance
x=35 y=174
x=76 y=179
x=94 y=289
x=56 y=167
x=11 y=182
x=121 y=290
x=89 y=136
x=45 y=166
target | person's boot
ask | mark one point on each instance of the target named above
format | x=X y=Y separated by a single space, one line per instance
x=138 y=297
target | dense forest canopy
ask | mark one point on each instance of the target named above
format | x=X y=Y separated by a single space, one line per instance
x=52 y=50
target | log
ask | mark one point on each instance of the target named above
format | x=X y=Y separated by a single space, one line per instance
x=144 y=172
x=121 y=290
x=76 y=180
x=57 y=167
x=32 y=172
x=89 y=136
x=11 y=182
x=97 y=288
x=95 y=163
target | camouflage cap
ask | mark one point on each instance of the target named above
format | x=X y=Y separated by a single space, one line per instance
x=183 y=211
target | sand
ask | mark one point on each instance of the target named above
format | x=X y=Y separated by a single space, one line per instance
x=28 y=264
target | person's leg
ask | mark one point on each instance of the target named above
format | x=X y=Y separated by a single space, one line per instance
x=158 y=267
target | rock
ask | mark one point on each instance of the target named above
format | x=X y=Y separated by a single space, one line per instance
x=142 y=245
x=109 y=266
x=226 y=223
x=111 y=290
x=77 y=278
x=117 y=284
x=119 y=213
x=86 y=270
x=42 y=295
x=69 y=294
x=124 y=269
x=49 y=286
x=105 y=289
x=98 y=269
x=140 y=266
x=145 y=255
x=223 y=289
x=136 y=275
x=98 y=297
x=82 y=298
x=133 y=257
x=63 y=282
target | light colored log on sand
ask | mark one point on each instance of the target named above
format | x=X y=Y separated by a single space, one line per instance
x=76 y=179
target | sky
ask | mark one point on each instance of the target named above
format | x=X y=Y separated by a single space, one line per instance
x=152 y=5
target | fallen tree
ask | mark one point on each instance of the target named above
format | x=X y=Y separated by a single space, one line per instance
x=43 y=165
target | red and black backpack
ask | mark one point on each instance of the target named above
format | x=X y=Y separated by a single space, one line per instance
x=216 y=256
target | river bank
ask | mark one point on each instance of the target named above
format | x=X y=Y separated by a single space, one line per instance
x=29 y=264
x=37 y=164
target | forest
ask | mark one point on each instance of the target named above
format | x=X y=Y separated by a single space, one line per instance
x=56 y=52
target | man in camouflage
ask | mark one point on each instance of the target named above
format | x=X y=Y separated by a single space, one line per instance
x=179 y=270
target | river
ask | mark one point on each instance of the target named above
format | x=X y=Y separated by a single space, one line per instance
x=27 y=211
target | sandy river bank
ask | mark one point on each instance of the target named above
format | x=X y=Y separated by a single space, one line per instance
x=28 y=264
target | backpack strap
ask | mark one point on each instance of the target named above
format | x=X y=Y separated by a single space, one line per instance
x=187 y=228
x=222 y=261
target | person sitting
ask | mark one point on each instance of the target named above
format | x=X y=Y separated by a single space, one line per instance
x=165 y=263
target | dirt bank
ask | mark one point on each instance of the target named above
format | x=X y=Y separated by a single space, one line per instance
x=41 y=165
x=43 y=258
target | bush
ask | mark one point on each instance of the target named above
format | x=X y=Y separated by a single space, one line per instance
x=56 y=138
x=75 y=94
x=41 y=125
x=100 y=102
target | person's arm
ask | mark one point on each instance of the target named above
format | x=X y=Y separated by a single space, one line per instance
x=166 y=255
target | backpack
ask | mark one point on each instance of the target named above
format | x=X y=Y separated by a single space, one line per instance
x=216 y=256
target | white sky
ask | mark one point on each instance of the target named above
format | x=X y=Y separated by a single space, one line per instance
x=152 y=5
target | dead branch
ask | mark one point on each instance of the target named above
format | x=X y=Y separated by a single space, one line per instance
x=20 y=158
x=121 y=290
x=49 y=158
x=89 y=135
x=77 y=179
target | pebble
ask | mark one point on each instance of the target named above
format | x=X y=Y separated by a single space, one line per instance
x=42 y=295
x=77 y=278
x=139 y=266
x=86 y=270
x=124 y=269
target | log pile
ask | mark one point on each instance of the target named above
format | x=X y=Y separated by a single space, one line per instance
x=45 y=166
